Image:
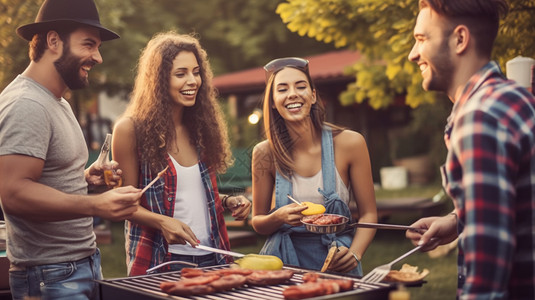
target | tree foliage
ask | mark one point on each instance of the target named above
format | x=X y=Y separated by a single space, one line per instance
x=382 y=31
x=236 y=34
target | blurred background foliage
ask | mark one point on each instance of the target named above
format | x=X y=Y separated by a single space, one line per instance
x=237 y=34
x=242 y=34
x=382 y=31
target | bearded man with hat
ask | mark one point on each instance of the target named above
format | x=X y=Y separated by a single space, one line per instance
x=43 y=184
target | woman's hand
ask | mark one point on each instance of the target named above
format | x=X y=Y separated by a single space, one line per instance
x=177 y=232
x=291 y=214
x=240 y=207
x=343 y=261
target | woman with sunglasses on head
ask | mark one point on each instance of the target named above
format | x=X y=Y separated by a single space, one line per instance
x=313 y=161
x=173 y=122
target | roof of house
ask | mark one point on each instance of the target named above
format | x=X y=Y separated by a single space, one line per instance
x=323 y=67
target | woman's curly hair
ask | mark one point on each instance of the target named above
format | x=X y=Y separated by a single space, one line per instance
x=150 y=106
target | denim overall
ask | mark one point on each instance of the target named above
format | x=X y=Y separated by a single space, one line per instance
x=296 y=246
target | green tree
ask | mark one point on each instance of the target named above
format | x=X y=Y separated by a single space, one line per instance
x=236 y=34
x=382 y=31
x=12 y=48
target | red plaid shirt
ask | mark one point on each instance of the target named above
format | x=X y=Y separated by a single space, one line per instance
x=146 y=247
x=490 y=175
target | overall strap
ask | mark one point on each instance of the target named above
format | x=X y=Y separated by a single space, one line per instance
x=283 y=187
x=327 y=161
x=333 y=203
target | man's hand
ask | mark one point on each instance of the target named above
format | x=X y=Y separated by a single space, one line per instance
x=443 y=229
x=94 y=175
x=117 y=204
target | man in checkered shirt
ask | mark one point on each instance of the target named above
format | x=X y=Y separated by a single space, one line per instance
x=490 y=135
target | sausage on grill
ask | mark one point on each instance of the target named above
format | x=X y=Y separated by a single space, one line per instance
x=200 y=282
x=315 y=286
x=191 y=272
x=263 y=277
x=228 y=282
x=190 y=286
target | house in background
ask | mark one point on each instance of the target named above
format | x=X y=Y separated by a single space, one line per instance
x=243 y=91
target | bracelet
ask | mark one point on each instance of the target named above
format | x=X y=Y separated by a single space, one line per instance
x=355 y=256
x=224 y=201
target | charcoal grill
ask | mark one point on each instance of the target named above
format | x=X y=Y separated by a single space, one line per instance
x=148 y=287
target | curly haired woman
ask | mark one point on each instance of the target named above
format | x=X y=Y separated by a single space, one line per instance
x=174 y=121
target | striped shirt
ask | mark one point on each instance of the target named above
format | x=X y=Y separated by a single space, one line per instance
x=146 y=247
x=490 y=175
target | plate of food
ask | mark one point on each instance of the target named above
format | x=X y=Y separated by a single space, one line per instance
x=332 y=223
x=407 y=274
x=325 y=223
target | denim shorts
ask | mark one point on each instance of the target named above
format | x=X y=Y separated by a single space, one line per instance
x=68 y=280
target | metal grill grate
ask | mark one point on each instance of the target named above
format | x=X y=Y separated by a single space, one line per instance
x=148 y=287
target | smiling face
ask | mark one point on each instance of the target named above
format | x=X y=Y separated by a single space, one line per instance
x=431 y=51
x=80 y=53
x=185 y=79
x=293 y=96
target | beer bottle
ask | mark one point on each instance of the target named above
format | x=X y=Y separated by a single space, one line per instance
x=104 y=162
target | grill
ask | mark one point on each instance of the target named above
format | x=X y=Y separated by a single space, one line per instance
x=148 y=287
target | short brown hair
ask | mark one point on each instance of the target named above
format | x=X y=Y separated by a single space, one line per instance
x=482 y=17
x=38 y=42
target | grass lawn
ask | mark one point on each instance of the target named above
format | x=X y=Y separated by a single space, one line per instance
x=387 y=245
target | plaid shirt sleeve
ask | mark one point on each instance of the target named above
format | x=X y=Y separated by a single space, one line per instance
x=146 y=247
x=489 y=165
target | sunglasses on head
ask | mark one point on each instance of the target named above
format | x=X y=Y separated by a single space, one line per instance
x=279 y=63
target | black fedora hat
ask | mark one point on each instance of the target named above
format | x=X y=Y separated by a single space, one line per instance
x=57 y=14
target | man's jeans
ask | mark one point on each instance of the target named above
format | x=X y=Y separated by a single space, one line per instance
x=68 y=280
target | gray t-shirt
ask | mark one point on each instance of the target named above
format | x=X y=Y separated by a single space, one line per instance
x=35 y=123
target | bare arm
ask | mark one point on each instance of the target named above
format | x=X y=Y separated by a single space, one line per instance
x=263 y=182
x=124 y=151
x=23 y=195
x=351 y=151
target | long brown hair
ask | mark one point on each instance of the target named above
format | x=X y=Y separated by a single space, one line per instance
x=276 y=131
x=150 y=105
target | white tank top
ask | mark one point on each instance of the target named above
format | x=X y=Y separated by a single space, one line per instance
x=191 y=207
x=306 y=188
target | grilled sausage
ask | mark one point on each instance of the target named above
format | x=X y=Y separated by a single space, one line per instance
x=204 y=284
x=236 y=271
x=228 y=282
x=311 y=277
x=302 y=291
x=316 y=287
x=263 y=277
x=190 y=286
x=191 y=272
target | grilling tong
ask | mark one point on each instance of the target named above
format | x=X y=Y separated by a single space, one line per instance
x=336 y=228
x=206 y=248
x=385 y=226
